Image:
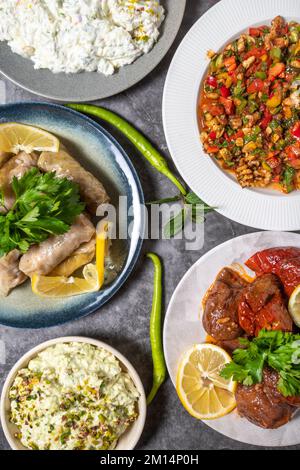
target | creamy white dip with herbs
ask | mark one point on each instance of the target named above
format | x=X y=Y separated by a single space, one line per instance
x=73 y=396
x=80 y=35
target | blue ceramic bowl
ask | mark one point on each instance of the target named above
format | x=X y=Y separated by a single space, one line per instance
x=102 y=155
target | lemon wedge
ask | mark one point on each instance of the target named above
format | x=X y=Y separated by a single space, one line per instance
x=202 y=391
x=93 y=274
x=84 y=255
x=15 y=137
x=294 y=305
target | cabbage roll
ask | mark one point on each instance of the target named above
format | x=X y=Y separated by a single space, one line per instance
x=10 y=274
x=16 y=166
x=43 y=258
x=92 y=191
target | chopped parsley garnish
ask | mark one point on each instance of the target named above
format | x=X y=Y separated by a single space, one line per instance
x=44 y=205
x=276 y=349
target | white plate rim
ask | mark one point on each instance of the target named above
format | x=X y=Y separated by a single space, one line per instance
x=132 y=435
x=262 y=437
x=261 y=209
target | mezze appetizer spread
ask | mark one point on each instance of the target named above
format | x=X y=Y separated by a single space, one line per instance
x=249 y=108
x=73 y=396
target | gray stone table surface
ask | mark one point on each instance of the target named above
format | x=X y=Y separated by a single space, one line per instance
x=124 y=321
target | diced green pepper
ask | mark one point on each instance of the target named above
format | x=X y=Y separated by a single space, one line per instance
x=275 y=53
x=261 y=75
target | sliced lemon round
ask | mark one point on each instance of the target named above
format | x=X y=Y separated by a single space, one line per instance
x=93 y=274
x=294 y=305
x=201 y=389
x=15 y=137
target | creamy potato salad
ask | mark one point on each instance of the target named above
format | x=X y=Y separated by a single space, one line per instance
x=80 y=35
x=73 y=396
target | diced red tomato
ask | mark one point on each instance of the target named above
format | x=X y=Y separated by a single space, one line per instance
x=273 y=162
x=276 y=70
x=237 y=135
x=212 y=135
x=225 y=92
x=296 y=130
x=255 y=32
x=230 y=63
x=293 y=152
x=212 y=149
x=276 y=179
x=213 y=108
x=266 y=119
x=256 y=86
x=256 y=52
x=212 y=81
x=228 y=105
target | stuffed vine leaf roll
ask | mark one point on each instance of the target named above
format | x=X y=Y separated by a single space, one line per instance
x=91 y=190
x=10 y=274
x=43 y=258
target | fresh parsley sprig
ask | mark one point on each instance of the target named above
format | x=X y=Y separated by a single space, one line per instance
x=276 y=349
x=44 y=205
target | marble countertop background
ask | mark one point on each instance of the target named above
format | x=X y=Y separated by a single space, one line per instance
x=124 y=321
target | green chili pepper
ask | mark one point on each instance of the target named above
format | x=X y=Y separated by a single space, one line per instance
x=136 y=138
x=159 y=365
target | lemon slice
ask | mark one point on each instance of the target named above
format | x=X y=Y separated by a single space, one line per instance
x=80 y=257
x=203 y=393
x=93 y=274
x=294 y=305
x=15 y=138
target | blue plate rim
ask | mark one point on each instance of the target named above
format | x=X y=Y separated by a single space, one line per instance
x=112 y=290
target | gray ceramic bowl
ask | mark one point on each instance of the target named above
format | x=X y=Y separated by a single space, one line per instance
x=99 y=152
x=91 y=86
x=127 y=442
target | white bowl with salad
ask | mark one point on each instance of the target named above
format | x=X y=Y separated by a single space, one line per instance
x=73 y=393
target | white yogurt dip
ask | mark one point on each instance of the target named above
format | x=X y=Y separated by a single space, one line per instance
x=73 y=36
x=73 y=396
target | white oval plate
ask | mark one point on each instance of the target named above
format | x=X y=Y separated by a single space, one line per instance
x=263 y=209
x=183 y=327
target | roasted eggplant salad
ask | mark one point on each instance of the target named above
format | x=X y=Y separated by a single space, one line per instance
x=249 y=107
x=48 y=201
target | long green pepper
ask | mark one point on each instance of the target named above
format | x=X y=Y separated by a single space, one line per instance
x=159 y=365
x=136 y=138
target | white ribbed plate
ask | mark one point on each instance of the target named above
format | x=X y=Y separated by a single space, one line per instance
x=183 y=327
x=263 y=209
